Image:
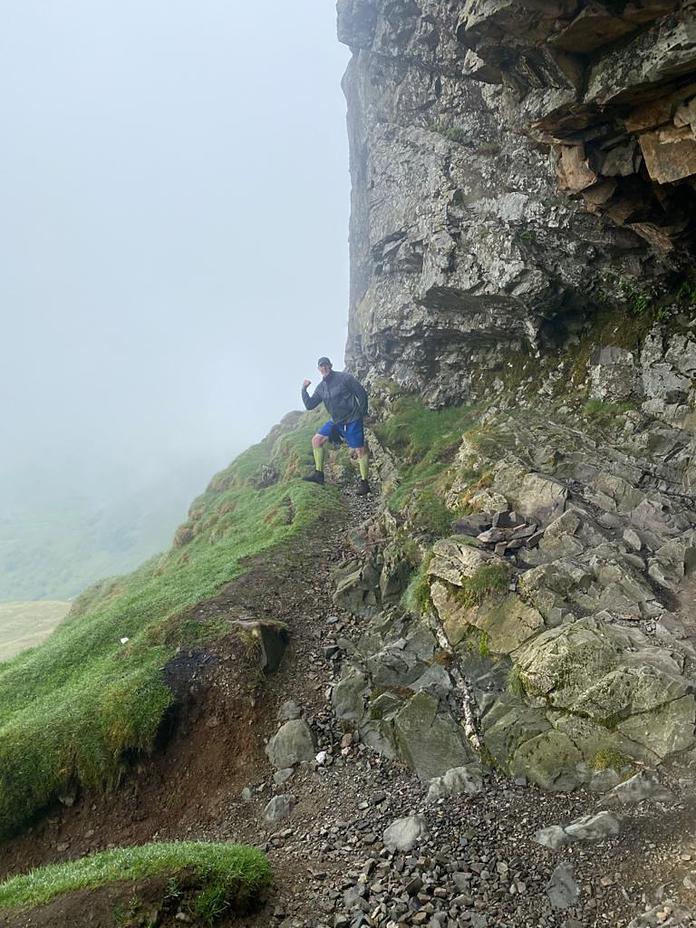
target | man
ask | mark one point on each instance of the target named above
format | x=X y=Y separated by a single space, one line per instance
x=346 y=402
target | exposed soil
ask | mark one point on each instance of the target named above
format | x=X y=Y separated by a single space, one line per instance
x=214 y=747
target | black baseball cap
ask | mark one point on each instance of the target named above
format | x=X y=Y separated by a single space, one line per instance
x=323 y=361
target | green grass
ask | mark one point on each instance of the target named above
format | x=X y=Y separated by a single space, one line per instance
x=23 y=625
x=425 y=442
x=603 y=414
x=227 y=875
x=416 y=597
x=487 y=579
x=72 y=707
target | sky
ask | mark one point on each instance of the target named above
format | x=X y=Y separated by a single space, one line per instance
x=174 y=200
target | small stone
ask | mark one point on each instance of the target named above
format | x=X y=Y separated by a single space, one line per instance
x=282 y=776
x=289 y=710
x=405 y=833
x=277 y=809
x=554 y=837
x=632 y=539
x=562 y=888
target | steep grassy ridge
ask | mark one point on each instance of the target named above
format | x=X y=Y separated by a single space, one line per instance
x=225 y=874
x=71 y=707
x=23 y=625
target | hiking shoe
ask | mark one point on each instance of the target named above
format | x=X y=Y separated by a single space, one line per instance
x=315 y=477
x=363 y=488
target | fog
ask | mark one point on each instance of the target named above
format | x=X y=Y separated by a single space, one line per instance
x=174 y=203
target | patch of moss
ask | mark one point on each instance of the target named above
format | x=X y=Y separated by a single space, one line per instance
x=609 y=760
x=515 y=685
x=603 y=414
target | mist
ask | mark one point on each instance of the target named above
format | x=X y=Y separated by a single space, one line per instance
x=174 y=198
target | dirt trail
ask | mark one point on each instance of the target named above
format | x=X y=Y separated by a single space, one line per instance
x=191 y=788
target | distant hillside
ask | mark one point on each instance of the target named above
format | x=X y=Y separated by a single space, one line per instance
x=54 y=549
x=22 y=625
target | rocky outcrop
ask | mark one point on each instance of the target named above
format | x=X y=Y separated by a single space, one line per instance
x=469 y=125
x=613 y=88
x=563 y=597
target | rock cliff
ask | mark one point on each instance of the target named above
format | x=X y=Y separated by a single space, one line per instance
x=514 y=165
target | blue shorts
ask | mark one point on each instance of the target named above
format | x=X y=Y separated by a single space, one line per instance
x=350 y=432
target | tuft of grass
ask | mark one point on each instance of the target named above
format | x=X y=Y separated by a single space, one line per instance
x=424 y=441
x=226 y=875
x=71 y=708
x=484 y=644
x=487 y=579
x=453 y=133
x=603 y=414
x=416 y=597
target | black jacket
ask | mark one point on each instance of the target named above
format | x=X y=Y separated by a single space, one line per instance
x=344 y=397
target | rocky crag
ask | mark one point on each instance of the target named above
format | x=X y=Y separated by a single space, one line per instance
x=513 y=164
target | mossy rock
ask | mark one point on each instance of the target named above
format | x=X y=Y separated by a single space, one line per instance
x=428 y=741
x=506 y=620
x=551 y=760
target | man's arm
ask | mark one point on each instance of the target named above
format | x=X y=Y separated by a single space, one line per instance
x=311 y=402
x=360 y=393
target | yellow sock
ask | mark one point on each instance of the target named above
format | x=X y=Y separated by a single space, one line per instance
x=319 y=458
x=362 y=464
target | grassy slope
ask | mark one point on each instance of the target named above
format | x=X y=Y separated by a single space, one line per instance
x=424 y=441
x=71 y=707
x=227 y=874
x=23 y=625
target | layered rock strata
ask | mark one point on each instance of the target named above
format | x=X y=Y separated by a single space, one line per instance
x=469 y=125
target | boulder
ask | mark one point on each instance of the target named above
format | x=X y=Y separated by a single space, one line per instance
x=594 y=827
x=551 y=760
x=637 y=789
x=348 y=696
x=292 y=744
x=553 y=836
x=505 y=619
x=454 y=560
x=536 y=497
x=429 y=741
